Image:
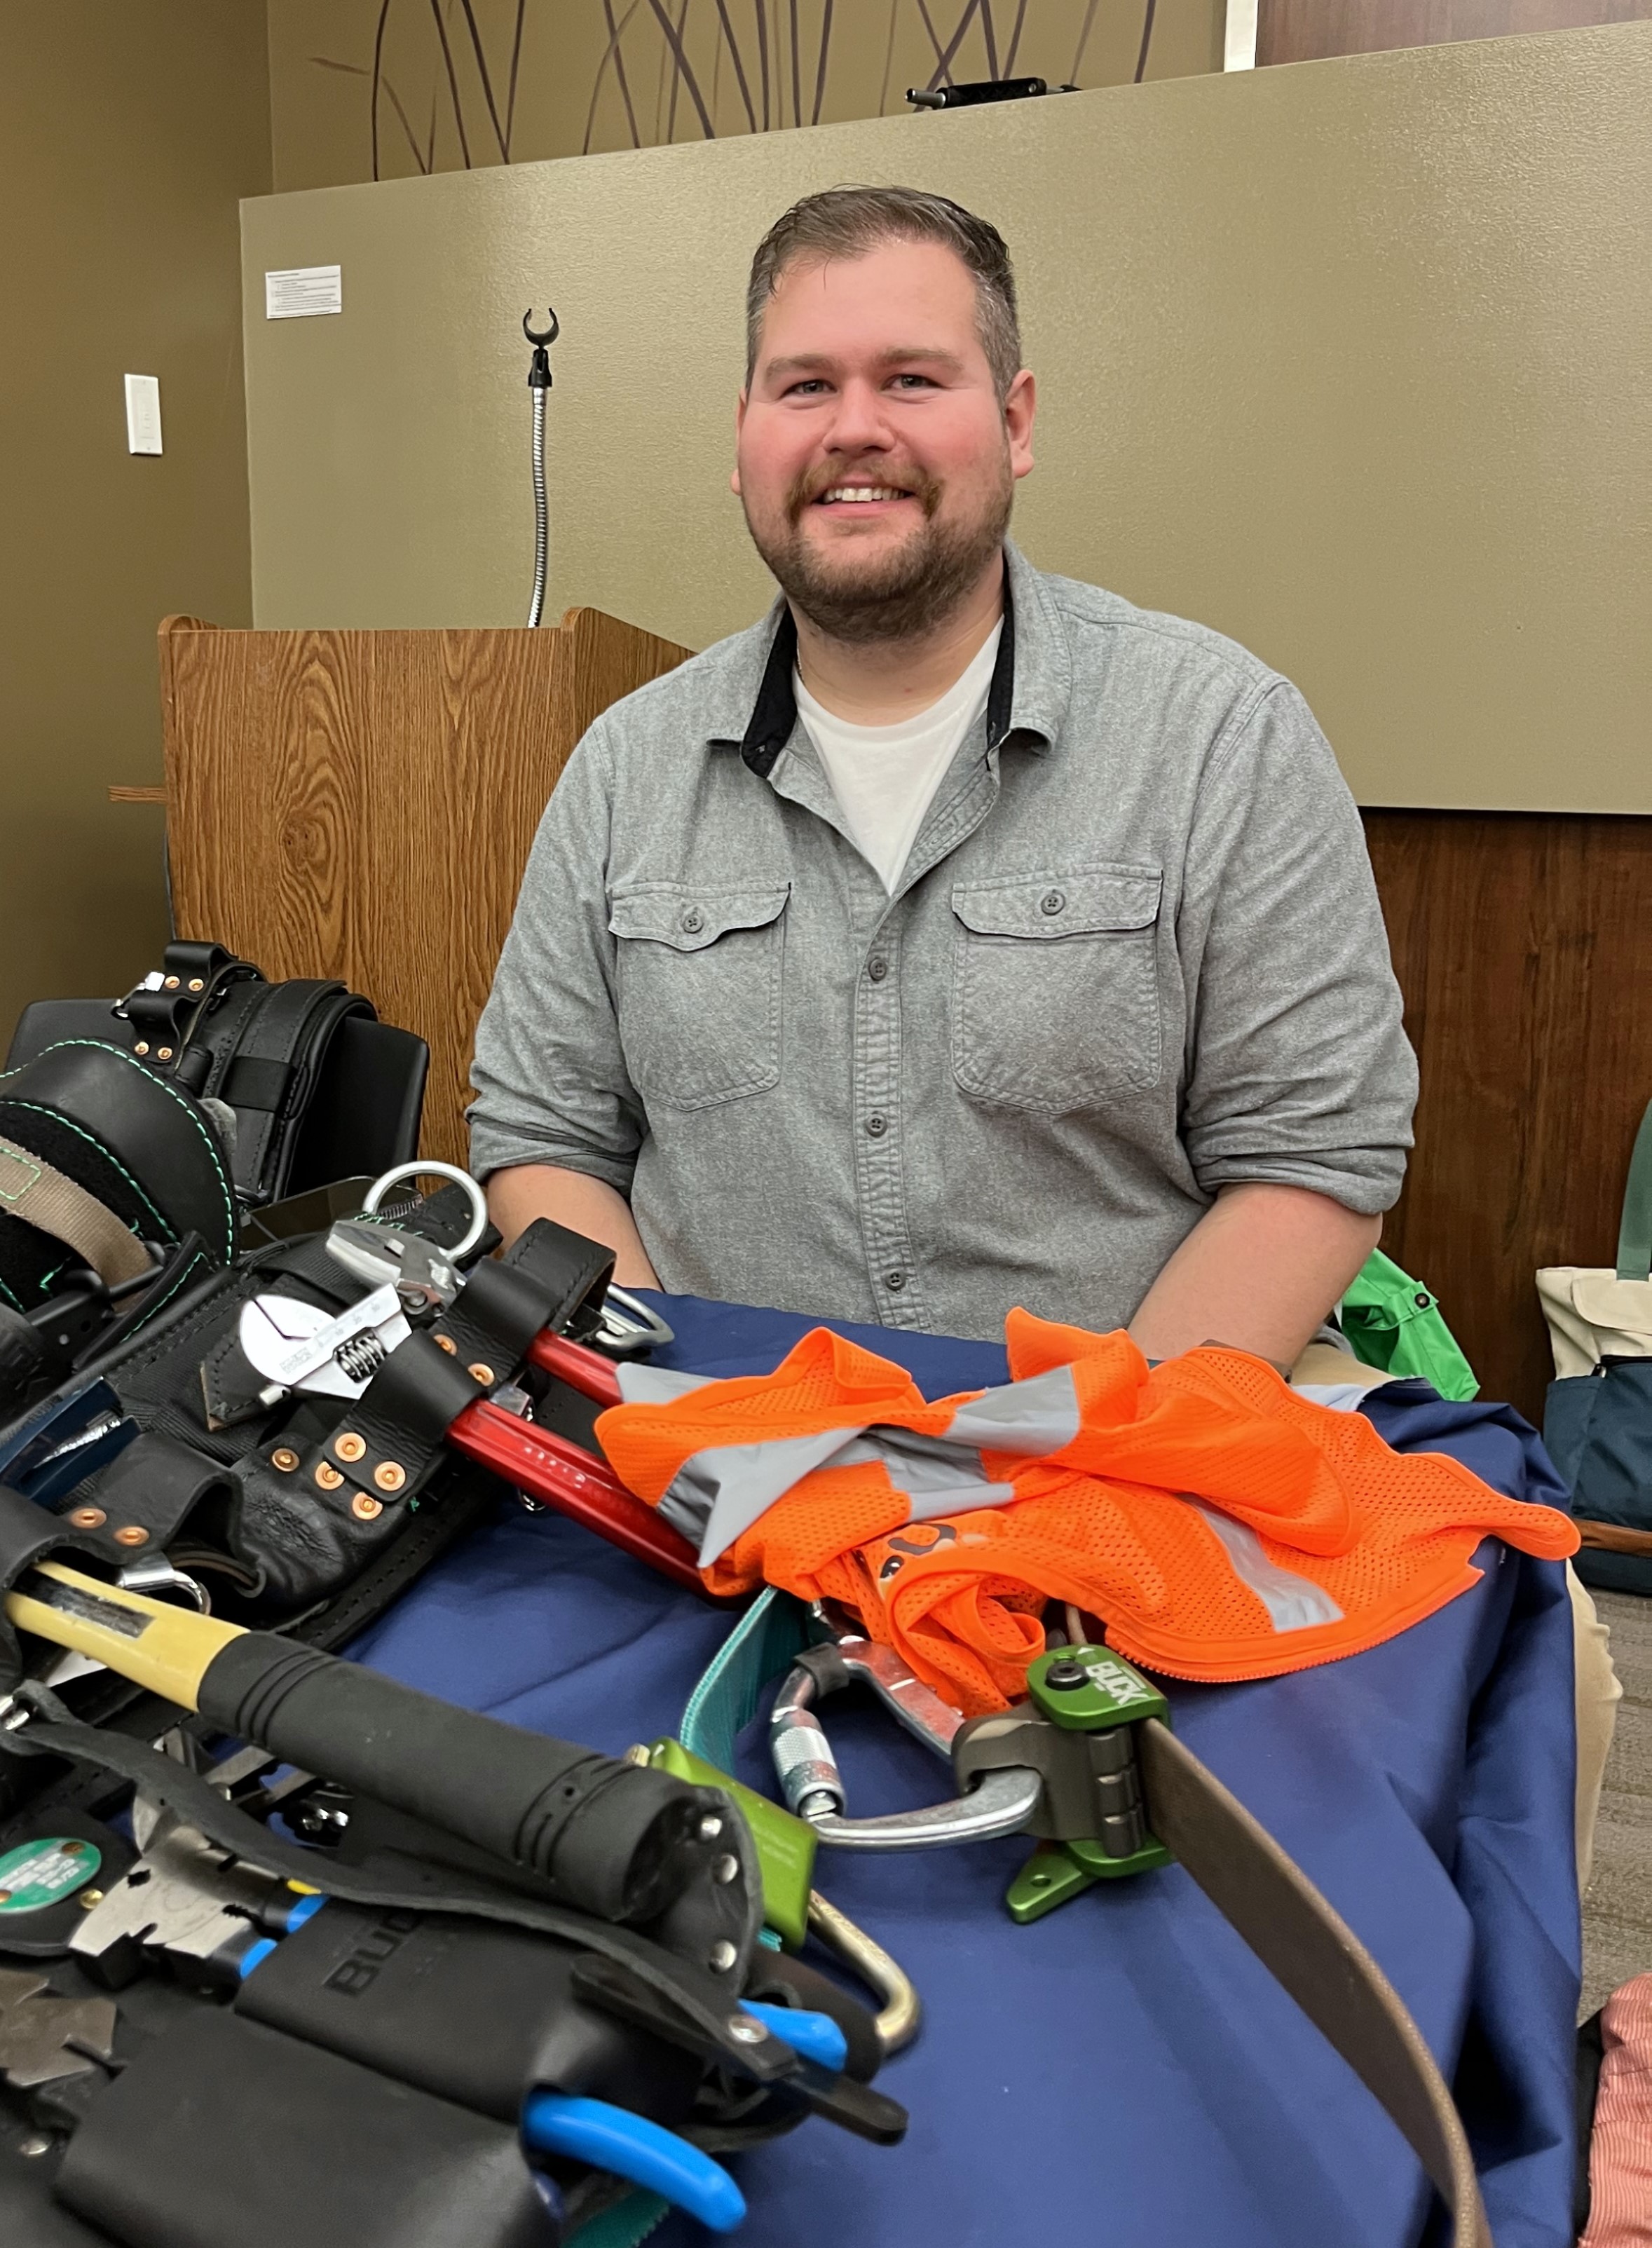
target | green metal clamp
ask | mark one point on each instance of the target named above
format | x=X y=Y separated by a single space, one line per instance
x=1076 y=1731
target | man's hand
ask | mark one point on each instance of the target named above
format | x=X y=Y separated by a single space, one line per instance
x=1259 y=1272
x=589 y=1206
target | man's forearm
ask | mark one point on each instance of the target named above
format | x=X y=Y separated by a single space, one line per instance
x=586 y=1205
x=1260 y=1271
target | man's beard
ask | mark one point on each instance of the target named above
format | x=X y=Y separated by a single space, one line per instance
x=900 y=596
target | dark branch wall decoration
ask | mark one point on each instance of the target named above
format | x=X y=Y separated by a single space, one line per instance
x=377 y=89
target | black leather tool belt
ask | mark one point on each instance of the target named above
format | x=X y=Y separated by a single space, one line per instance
x=162 y=1464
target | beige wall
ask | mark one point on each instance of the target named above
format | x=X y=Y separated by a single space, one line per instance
x=577 y=91
x=1348 y=360
x=126 y=135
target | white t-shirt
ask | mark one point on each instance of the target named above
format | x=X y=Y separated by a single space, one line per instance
x=885 y=776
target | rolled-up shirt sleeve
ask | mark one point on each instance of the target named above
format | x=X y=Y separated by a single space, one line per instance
x=550 y=1074
x=1298 y=1070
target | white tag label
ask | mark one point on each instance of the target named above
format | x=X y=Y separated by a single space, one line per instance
x=304 y=290
x=143 y=414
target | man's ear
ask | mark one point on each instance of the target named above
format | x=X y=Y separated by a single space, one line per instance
x=739 y=424
x=1020 y=406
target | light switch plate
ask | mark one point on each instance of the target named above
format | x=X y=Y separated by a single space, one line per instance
x=143 y=414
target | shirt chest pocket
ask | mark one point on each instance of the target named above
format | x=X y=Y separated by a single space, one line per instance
x=1055 y=998
x=698 y=975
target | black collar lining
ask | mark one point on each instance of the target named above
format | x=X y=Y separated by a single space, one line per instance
x=775 y=712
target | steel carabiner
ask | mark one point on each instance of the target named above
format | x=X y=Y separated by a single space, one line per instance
x=1002 y=1802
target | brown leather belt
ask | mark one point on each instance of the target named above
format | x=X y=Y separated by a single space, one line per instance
x=1312 y=1952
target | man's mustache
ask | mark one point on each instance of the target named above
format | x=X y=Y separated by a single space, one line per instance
x=808 y=487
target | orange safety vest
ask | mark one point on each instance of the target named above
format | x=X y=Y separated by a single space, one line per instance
x=1221 y=1525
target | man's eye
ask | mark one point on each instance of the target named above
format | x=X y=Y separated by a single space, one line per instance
x=812 y=389
x=914 y=382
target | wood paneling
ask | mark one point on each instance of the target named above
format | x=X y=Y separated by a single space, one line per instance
x=1302 y=30
x=362 y=804
x=1523 y=942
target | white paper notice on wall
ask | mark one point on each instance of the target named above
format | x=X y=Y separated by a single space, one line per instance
x=143 y=414
x=303 y=291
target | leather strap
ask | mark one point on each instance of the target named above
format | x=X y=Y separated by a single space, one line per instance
x=163 y=1162
x=218 y=1026
x=193 y=981
x=144 y=1498
x=393 y=1436
x=1312 y=1953
x=29 y=1533
x=32 y=1190
x=266 y=1064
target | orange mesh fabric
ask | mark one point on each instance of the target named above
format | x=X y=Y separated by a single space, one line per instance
x=1104 y=1523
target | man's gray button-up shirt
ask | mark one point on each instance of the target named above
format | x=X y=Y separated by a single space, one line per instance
x=1135 y=955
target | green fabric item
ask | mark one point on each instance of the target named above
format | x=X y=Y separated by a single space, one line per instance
x=1392 y=1322
x=1635 y=1235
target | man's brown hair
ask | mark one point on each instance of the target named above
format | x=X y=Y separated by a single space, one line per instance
x=847 y=221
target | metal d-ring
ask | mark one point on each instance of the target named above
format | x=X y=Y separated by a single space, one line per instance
x=424 y=1169
x=629 y=1327
x=901 y=2011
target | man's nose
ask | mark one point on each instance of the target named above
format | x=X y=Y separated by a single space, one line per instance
x=861 y=423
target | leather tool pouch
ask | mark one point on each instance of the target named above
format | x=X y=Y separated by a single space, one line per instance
x=224 y=2131
x=243 y=1495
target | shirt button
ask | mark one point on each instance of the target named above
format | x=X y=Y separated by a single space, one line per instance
x=878 y=969
x=1053 y=901
x=877 y=1125
x=894 y=1280
x=692 y=921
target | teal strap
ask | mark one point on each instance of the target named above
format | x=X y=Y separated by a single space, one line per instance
x=623 y=2223
x=1634 y=1234
x=769 y=1636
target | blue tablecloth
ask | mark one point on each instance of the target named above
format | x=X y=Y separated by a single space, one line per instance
x=1126 y=2069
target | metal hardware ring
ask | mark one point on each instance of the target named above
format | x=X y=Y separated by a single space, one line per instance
x=423 y=1169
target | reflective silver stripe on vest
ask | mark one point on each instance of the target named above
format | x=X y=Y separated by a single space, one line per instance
x=718 y=1494
x=1033 y=1417
x=1293 y=1603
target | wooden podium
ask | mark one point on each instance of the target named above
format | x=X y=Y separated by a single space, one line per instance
x=362 y=804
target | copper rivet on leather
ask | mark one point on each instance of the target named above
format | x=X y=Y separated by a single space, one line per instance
x=328 y=1476
x=142 y=1046
x=482 y=1373
x=284 y=1457
x=88 y=1517
x=131 y=1533
x=350 y=1446
x=171 y=983
x=198 y=984
x=365 y=1506
x=447 y=1343
x=389 y=1475
x=163 y=1053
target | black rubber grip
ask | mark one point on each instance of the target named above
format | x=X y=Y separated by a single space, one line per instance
x=604 y=1834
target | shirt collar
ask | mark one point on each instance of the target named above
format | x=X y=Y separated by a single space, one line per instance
x=1026 y=699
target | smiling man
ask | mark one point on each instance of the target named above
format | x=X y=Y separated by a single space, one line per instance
x=958 y=936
